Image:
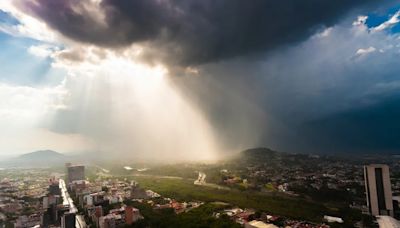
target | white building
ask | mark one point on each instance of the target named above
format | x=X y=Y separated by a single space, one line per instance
x=378 y=189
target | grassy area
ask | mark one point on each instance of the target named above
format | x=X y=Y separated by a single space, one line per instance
x=276 y=204
x=197 y=218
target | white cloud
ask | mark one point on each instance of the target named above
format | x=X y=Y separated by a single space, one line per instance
x=133 y=109
x=389 y=23
x=365 y=51
x=108 y=98
x=326 y=32
x=28 y=26
x=360 y=20
x=25 y=112
x=18 y=141
x=26 y=106
x=43 y=50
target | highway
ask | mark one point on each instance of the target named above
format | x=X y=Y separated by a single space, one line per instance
x=80 y=222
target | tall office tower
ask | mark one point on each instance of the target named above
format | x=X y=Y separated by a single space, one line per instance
x=68 y=220
x=61 y=210
x=75 y=173
x=45 y=219
x=378 y=189
x=54 y=188
x=131 y=215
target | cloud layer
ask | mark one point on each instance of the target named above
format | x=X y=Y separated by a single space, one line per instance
x=292 y=75
x=190 y=32
x=294 y=98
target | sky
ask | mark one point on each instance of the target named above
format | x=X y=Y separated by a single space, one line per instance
x=196 y=80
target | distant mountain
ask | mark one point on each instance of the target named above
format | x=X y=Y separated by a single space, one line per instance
x=42 y=155
x=43 y=158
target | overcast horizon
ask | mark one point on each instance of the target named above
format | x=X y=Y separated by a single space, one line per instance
x=198 y=80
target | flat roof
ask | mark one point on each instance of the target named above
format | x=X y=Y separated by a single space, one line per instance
x=385 y=221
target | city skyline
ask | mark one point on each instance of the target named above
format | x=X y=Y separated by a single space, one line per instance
x=199 y=113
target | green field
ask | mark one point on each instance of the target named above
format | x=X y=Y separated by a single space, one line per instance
x=201 y=217
x=182 y=189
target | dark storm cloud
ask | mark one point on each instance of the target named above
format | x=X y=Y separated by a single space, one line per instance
x=372 y=129
x=316 y=96
x=311 y=93
x=191 y=32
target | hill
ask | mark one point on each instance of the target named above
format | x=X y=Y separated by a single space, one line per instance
x=41 y=158
x=42 y=155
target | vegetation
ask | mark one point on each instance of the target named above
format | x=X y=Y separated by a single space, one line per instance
x=195 y=218
x=273 y=203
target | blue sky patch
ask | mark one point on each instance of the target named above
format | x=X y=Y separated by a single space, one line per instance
x=375 y=19
x=20 y=67
x=396 y=28
x=7 y=18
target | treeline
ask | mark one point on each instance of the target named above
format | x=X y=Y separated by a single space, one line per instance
x=195 y=218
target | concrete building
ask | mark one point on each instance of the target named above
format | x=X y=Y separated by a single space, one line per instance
x=259 y=224
x=138 y=193
x=108 y=221
x=387 y=222
x=131 y=215
x=61 y=210
x=68 y=220
x=98 y=213
x=378 y=189
x=45 y=202
x=27 y=221
x=75 y=173
x=45 y=219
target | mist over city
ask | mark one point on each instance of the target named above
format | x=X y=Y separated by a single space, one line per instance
x=199 y=113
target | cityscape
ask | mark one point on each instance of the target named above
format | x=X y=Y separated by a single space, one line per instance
x=199 y=113
x=258 y=188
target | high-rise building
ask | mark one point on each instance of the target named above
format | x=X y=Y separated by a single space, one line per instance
x=138 y=193
x=98 y=211
x=45 y=202
x=75 y=173
x=54 y=188
x=68 y=220
x=95 y=213
x=131 y=215
x=61 y=210
x=45 y=219
x=378 y=189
